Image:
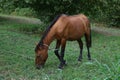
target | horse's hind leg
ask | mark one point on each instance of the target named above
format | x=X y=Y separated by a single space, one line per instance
x=88 y=44
x=81 y=49
x=57 y=48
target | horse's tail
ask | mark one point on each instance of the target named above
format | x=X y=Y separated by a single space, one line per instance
x=88 y=36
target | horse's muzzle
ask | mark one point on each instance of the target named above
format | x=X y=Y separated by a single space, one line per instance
x=39 y=66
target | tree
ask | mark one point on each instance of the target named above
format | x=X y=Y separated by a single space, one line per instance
x=101 y=10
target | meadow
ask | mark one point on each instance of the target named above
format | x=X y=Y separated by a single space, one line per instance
x=17 y=57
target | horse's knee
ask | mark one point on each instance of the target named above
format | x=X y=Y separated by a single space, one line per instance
x=88 y=45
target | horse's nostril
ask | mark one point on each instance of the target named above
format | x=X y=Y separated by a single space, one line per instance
x=37 y=67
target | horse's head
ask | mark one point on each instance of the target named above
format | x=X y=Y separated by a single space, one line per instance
x=41 y=55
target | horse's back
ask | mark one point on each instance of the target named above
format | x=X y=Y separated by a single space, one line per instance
x=80 y=21
x=71 y=27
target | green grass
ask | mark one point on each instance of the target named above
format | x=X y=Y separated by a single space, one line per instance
x=17 y=58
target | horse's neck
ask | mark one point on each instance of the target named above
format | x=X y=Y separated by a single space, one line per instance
x=49 y=38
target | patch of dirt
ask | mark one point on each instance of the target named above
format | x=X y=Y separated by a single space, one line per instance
x=107 y=31
x=18 y=19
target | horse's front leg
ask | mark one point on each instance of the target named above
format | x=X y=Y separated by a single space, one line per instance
x=62 y=61
x=58 y=42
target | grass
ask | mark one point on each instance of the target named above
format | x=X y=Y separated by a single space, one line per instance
x=17 y=58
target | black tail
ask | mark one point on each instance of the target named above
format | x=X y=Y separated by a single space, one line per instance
x=90 y=38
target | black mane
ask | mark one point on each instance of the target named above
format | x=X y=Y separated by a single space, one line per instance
x=46 y=32
x=48 y=29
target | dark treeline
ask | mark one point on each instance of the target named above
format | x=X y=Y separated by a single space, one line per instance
x=107 y=11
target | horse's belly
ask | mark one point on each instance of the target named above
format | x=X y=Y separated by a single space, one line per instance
x=69 y=35
x=70 y=39
x=75 y=37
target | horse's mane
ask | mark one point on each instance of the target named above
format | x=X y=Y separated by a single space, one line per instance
x=48 y=29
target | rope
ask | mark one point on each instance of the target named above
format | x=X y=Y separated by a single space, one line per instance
x=50 y=48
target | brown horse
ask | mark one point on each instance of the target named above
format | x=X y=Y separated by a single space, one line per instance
x=63 y=28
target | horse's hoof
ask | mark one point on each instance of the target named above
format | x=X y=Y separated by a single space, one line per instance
x=60 y=67
x=89 y=59
x=79 y=60
x=39 y=67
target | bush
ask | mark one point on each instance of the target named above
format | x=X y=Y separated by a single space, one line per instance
x=6 y=6
x=114 y=13
x=29 y=28
x=99 y=10
x=24 y=12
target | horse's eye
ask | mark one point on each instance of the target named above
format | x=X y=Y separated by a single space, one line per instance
x=41 y=48
x=39 y=56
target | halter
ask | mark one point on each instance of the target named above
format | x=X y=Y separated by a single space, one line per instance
x=50 y=48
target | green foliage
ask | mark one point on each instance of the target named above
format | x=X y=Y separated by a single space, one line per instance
x=99 y=10
x=24 y=12
x=114 y=13
x=16 y=7
x=51 y=8
x=7 y=6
